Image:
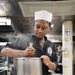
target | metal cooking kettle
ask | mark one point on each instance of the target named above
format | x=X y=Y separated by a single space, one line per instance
x=28 y=66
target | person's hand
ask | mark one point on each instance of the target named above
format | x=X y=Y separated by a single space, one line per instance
x=45 y=60
x=48 y=63
x=29 y=51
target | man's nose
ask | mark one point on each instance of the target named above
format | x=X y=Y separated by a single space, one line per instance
x=40 y=30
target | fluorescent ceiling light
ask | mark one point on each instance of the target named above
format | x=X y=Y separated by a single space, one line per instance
x=8 y=21
x=5 y=21
x=2 y=23
x=3 y=43
x=2 y=19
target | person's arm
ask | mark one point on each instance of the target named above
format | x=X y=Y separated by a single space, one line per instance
x=29 y=51
x=48 y=63
x=11 y=52
x=51 y=66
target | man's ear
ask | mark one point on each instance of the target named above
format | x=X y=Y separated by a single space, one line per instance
x=48 y=28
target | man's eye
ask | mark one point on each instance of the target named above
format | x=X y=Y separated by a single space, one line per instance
x=37 y=27
x=44 y=28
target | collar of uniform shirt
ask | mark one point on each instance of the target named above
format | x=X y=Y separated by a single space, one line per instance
x=42 y=43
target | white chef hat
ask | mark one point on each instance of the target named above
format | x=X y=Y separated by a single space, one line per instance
x=43 y=15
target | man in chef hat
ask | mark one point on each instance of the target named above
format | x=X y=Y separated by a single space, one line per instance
x=41 y=46
x=42 y=25
x=44 y=16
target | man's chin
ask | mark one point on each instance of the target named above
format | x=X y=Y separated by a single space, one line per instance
x=40 y=37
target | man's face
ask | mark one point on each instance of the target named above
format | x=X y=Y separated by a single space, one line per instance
x=41 y=28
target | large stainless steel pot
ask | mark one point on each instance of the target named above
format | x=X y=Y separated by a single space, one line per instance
x=28 y=66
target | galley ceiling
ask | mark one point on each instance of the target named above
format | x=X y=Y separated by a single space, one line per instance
x=22 y=13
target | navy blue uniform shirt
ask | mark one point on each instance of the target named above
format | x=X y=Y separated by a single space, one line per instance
x=49 y=48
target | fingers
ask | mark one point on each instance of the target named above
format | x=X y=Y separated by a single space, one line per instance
x=45 y=59
x=31 y=48
x=30 y=51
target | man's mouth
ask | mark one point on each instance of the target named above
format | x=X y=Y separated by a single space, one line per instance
x=39 y=34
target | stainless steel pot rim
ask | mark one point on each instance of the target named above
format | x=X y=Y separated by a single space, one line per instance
x=24 y=58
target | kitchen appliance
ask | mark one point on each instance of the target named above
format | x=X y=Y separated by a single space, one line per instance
x=28 y=66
